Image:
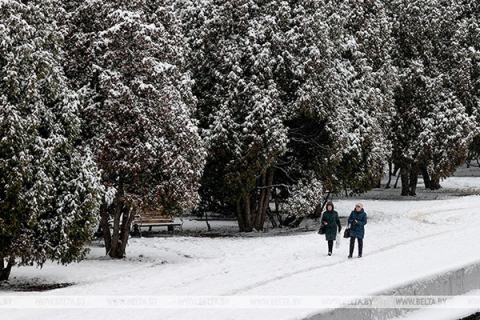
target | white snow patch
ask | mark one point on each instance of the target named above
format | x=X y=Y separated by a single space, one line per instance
x=407 y=241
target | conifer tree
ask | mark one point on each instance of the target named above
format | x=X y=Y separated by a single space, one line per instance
x=323 y=69
x=49 y=185
x=127 y=58
x=237 y=58
x=345 y=94
x=468 y=37
x=434 y=122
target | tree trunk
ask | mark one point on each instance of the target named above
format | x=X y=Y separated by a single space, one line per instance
x=209 y=228
x=426 y=178
x=259 y=201
x=318 y=211
x=413 y=182
x=409 y=178
x=435 y=184
x=123 y=217
x=395 y=169
x=116 y=227
x=321 y=206
x=244 y=214
x=240 y=217
x=107 y=237
x=404 y=175
x=396 y=182
x=5 y=271
x=128 y=216
x=390 y=174
x=277 y=208
x=264 y=202
x=248 y=214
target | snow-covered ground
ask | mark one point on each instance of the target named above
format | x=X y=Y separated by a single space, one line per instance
x=270 y=275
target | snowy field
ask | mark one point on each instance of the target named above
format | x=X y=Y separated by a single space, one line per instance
x=268 y=275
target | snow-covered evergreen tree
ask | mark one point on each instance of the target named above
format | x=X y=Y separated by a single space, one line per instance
x=468 y=37
x=324 y=71
x=237 y=60
x=433 y=124
x=344 y=100
x=49 y=187
x=128 y=60
x=304 y=196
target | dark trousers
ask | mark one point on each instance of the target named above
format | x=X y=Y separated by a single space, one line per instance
x=360 y=245
x=330 y=245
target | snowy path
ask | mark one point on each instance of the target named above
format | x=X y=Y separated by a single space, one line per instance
x=405 y=242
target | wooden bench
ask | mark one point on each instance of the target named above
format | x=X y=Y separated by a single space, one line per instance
x=150 y=221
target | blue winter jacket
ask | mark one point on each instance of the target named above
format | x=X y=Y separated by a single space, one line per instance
x=357 y=230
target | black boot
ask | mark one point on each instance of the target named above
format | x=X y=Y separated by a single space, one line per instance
x=352 y=246
x=360 y=247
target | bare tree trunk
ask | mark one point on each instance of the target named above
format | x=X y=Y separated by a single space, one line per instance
x=409 y=178
x=264 y=202
x=435 y=184
x=390 y=174
x=116 y=227
x=128 y=216
x=240 y=217
x=115 y=249
x=396 y=182
x=395 y=169
x=426 y=178
x=248 y=214
x=272 y=218
x=209 y=228
x=244 y=214
x=320 y=207
x=413 y=182
x=278 y=208
x=404 y=175
x=107 y=237
x=318 y=211
x=258 y=210
x=5 y=270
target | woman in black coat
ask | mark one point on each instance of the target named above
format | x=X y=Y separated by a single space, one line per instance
x=330 y=221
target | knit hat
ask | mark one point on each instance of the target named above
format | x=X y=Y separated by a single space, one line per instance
x=359 y=205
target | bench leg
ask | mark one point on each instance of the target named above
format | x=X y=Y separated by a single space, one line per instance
x=136 y=231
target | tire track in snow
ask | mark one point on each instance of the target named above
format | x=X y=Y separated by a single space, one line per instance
x=417 y=215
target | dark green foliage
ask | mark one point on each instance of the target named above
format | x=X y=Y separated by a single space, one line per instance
x=436 y=99
x=49 y=187
x=128 y=61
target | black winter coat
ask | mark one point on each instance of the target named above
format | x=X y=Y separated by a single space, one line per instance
x=331 y=217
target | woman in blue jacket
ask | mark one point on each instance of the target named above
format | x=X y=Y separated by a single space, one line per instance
x=357 y=221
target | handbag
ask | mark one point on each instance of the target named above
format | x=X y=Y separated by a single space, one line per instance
x=322 y=229
x=346 y=233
